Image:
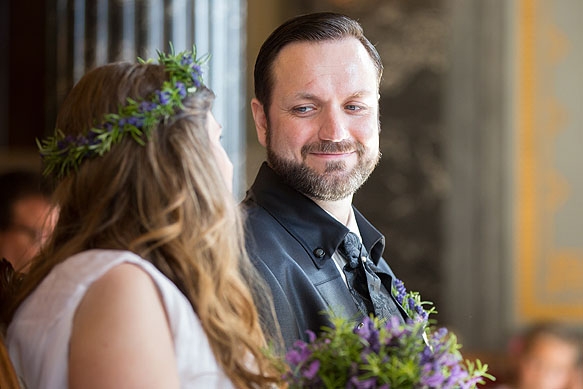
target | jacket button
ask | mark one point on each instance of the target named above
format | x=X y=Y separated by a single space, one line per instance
x=319 y=253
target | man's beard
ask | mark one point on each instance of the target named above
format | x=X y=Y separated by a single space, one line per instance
x=336 y=182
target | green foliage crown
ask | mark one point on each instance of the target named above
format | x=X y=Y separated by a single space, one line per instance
x=62 y=153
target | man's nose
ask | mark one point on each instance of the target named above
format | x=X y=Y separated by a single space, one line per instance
x=333 y=126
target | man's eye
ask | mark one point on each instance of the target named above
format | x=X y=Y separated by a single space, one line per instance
x=303 y=109
x=352 y=107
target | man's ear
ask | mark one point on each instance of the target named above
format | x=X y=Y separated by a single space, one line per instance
x=260 y=119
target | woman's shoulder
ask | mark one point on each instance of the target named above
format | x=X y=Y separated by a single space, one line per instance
x=121 y=322
x=123 y=280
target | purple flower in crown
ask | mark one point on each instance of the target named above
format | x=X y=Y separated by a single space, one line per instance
x=65 y=143
x=187 y=59
x=195 y=74
x=163 y=97
x=147 y=106
x=81 y=141
x=181 y=88
x=92 y=138
x=196 y=69
x=61 y=145
x=135 y=121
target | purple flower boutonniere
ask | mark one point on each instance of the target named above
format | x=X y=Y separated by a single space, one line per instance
x=384 y=354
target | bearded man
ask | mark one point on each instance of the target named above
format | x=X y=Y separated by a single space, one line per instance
x=316 y=112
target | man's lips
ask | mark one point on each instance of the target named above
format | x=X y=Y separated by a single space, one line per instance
x=332 y=155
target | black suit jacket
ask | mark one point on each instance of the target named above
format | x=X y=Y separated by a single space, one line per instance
x=291 y=240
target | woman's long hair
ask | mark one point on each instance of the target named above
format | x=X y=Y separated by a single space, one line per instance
x=168 y=203
x=8 y=378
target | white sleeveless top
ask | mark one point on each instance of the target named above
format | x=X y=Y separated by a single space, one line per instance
x=38 y=336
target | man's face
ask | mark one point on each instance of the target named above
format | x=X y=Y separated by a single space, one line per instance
x=322 y=128
x=32 y=223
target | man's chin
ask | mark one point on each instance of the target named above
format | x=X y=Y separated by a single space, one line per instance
x=329 y=182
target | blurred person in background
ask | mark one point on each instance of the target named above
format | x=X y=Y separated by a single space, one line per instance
x=27 y=217
x=547 y=356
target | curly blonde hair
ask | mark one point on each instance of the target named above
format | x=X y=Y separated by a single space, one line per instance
x=166 y=202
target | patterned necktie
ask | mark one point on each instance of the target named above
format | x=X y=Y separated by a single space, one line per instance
x=364 y=284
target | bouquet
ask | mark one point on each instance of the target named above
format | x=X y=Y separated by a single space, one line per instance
x=383 y=354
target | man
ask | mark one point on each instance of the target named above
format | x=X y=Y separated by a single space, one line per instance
x=26 y=217
x=316 y=111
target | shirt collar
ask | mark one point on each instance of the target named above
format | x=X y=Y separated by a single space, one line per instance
x=299 y=214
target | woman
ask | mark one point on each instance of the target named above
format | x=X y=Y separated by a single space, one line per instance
x=141 y=284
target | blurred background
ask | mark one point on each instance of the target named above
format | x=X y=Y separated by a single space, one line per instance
x=480 y=190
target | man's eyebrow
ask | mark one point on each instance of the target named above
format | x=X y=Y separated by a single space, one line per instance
x=305 y=96
x=363 y=93
x=311 y=96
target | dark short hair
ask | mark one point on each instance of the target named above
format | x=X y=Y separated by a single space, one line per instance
x=315 y=27
x=16 y=185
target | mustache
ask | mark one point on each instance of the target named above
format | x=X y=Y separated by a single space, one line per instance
x=345 y=146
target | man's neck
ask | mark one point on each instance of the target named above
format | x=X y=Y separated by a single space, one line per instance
x=340 y=209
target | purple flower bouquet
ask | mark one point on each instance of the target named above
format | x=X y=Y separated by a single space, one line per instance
x=379 y=354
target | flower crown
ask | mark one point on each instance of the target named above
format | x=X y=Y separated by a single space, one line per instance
x=61 y=154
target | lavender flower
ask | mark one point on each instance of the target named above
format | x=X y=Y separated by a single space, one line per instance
x=62 y=145
x=186 y=60
x=312 y=369
x=147 y=106
x=181 y=88
x=382 y=354
x=365 y=384
x=400 y=290
x=136 y=121
x=163 y=97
